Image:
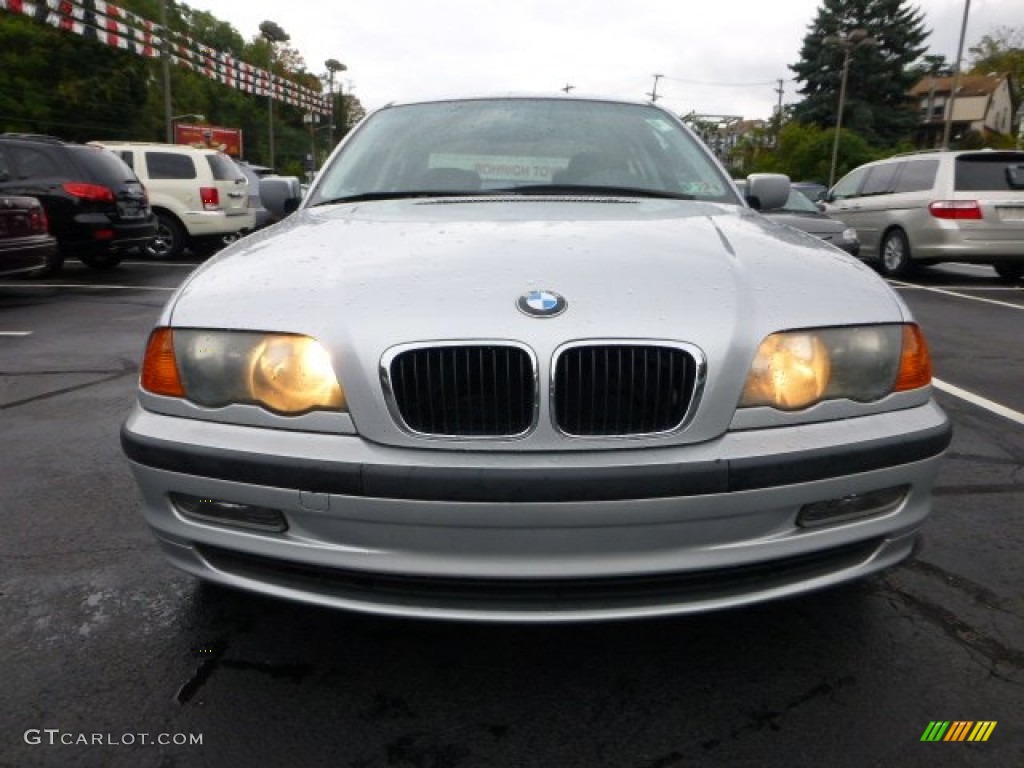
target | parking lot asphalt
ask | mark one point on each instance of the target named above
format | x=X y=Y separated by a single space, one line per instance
x=108 y=651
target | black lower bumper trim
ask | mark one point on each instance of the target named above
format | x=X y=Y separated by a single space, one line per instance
x=536 y=484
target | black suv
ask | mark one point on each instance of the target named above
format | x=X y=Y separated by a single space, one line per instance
x=96 y=205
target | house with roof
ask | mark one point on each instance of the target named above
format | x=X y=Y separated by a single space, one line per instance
x=983 y=104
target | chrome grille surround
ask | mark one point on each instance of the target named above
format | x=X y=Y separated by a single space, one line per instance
x=462 y=365
x=685 y=381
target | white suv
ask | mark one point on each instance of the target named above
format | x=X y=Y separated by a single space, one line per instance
x=199 y=196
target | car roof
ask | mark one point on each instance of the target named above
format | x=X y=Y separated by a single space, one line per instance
x=524 y=96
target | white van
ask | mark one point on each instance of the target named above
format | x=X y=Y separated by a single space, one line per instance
x=930 y=207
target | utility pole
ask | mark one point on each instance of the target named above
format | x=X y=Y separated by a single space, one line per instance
x=654 y=90
x=165 y=66
x=778 y=113
x=951 y=101
x=568 y=87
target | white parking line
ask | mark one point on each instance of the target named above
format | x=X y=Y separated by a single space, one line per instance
x=15 y=333
x=34 y=284
x=979 y=288
x=981 y=402
x=954 y=293
x=158 y=264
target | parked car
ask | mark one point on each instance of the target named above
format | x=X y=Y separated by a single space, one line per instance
x=534 y=359
x=798 y=211
x=95 y=205
x=199 y=195
x=26 y=245
x=812 y=190
x=930 y=207
x=269 y=193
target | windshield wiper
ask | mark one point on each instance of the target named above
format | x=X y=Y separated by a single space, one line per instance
x=399 y=195
x=528 y=189
x=590 y=189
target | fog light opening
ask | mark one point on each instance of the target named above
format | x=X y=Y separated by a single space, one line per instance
x=245 y=516
x=853 y=507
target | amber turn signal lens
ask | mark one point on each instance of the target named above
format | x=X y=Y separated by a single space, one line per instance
x=159 y=369
x=915 y=361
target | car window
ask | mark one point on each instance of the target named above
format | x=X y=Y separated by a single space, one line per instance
x=128 y=157
x=33 y=163
x=504 y=144
x=103 y=165
x=5 y=173
x=998 y=171
x=880 y=179
x=917 y=176
x=798 y=203
x=848 y=185
x=224 y=168
x=170 y=165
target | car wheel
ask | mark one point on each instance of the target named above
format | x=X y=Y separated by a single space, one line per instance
x=100 y=261
x=895 y=254
x=1009 y=270
x=170 y=238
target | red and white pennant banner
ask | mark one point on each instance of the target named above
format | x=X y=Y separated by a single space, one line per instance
x=118 y=28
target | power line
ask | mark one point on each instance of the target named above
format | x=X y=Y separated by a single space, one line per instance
x=718 y=84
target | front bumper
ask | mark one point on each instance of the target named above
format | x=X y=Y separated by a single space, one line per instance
x=537 y=537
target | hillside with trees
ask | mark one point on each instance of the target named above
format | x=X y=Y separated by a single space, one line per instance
x=59 y=83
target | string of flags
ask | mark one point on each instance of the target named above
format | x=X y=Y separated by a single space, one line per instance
x=118 y=28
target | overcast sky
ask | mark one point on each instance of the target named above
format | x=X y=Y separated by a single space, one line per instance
x=725 y=63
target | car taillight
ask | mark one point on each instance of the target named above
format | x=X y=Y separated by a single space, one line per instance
x=96 y=192
x=37 y=221
x=210 y=197
x=955 y=209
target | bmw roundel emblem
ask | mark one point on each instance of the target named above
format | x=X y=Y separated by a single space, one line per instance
x=541 y=304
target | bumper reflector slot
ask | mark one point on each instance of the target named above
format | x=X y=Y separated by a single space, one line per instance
x=228 y=513
x=854 y=507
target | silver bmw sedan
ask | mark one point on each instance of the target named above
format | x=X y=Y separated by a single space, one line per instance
x=534 y=359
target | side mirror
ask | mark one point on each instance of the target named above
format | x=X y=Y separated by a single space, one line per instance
x=280 y=195
x=767 y=191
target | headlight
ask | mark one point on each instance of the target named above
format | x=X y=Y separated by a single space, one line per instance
x=849 y=235
x=797 y=369
x=284 y=373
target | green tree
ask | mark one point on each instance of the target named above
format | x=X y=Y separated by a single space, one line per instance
x=805 y=152
x=879 y=76
x=1001 y=52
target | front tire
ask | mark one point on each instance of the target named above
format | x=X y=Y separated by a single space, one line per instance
x=169 y=242
x=1011 y=271
x=894 y=254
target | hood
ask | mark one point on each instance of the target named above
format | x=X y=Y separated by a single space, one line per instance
x=366 y=277
x=623 y=265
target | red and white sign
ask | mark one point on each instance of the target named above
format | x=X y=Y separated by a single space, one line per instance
x=227 y=140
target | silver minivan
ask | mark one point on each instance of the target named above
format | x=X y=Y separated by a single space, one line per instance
x=930 y=207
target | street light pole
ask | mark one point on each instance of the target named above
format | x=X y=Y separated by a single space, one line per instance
x=333 y=66
x=273 y=34
x=855 y=39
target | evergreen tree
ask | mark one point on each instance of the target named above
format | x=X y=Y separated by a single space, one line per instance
x=880 y=73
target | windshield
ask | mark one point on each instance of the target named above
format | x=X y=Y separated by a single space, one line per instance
x=797 y=202
x=522 y=146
